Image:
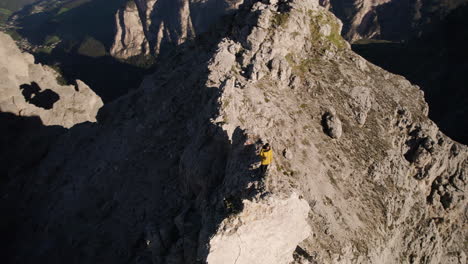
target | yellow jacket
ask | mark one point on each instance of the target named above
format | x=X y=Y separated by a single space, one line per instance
x=266 y=156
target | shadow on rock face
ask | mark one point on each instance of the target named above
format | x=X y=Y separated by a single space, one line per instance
x=108 y=77
x=152 y=181
x=23 y=142
x=44 y=99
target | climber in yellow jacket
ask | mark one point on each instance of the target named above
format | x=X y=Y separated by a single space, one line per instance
x=266 y=156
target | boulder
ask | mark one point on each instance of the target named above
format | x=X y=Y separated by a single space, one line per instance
x=332 y=125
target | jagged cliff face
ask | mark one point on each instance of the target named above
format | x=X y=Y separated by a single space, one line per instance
x=389 y=19
x=146 y=26
x=169 y=175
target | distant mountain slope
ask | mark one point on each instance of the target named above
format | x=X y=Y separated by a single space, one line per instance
x=75 y=36
x=389 y=19
x=69 y=20
x=8 y=7
x=148 y=26
x=84 y=37
x=14 y=5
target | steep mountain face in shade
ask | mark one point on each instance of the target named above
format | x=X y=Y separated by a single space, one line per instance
x=170 y=172
x=389 y=19
x=146 y=26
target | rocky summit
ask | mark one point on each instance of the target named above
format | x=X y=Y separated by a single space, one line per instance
x=170 y=172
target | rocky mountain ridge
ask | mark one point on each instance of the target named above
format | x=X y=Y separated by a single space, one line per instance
x=144 y=26
x=169 y=174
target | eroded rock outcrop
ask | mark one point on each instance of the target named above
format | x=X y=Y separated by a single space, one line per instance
x=29 y=89
x=332 y=124
x=170 y=174
x=280 y=224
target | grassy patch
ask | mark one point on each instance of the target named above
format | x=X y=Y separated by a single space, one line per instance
x=371 y=41
x=305 y=142
x=46 y=50
x=13 y=34
x=289 y=58
x=63 y=10
x=280 y=19
x=335 y=36
x=142 y=61
x=316 y=20
x=73 y=4
x=295 y=34
x=14 y=5
x=226 y=102
x=49 y=40
x=91 y=47
x=302 y=67
x=4 y=11
x=4 y=15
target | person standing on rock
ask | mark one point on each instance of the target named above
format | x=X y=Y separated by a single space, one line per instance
x=266 y=156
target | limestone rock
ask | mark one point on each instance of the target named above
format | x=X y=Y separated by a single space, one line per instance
x=361 y=103
x=130 y=39
x=332 y=125
x=280 y=69
x=29 y=89
x=265 y=221
x=287 y=154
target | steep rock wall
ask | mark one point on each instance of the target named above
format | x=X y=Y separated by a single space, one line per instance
x=146 y=26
